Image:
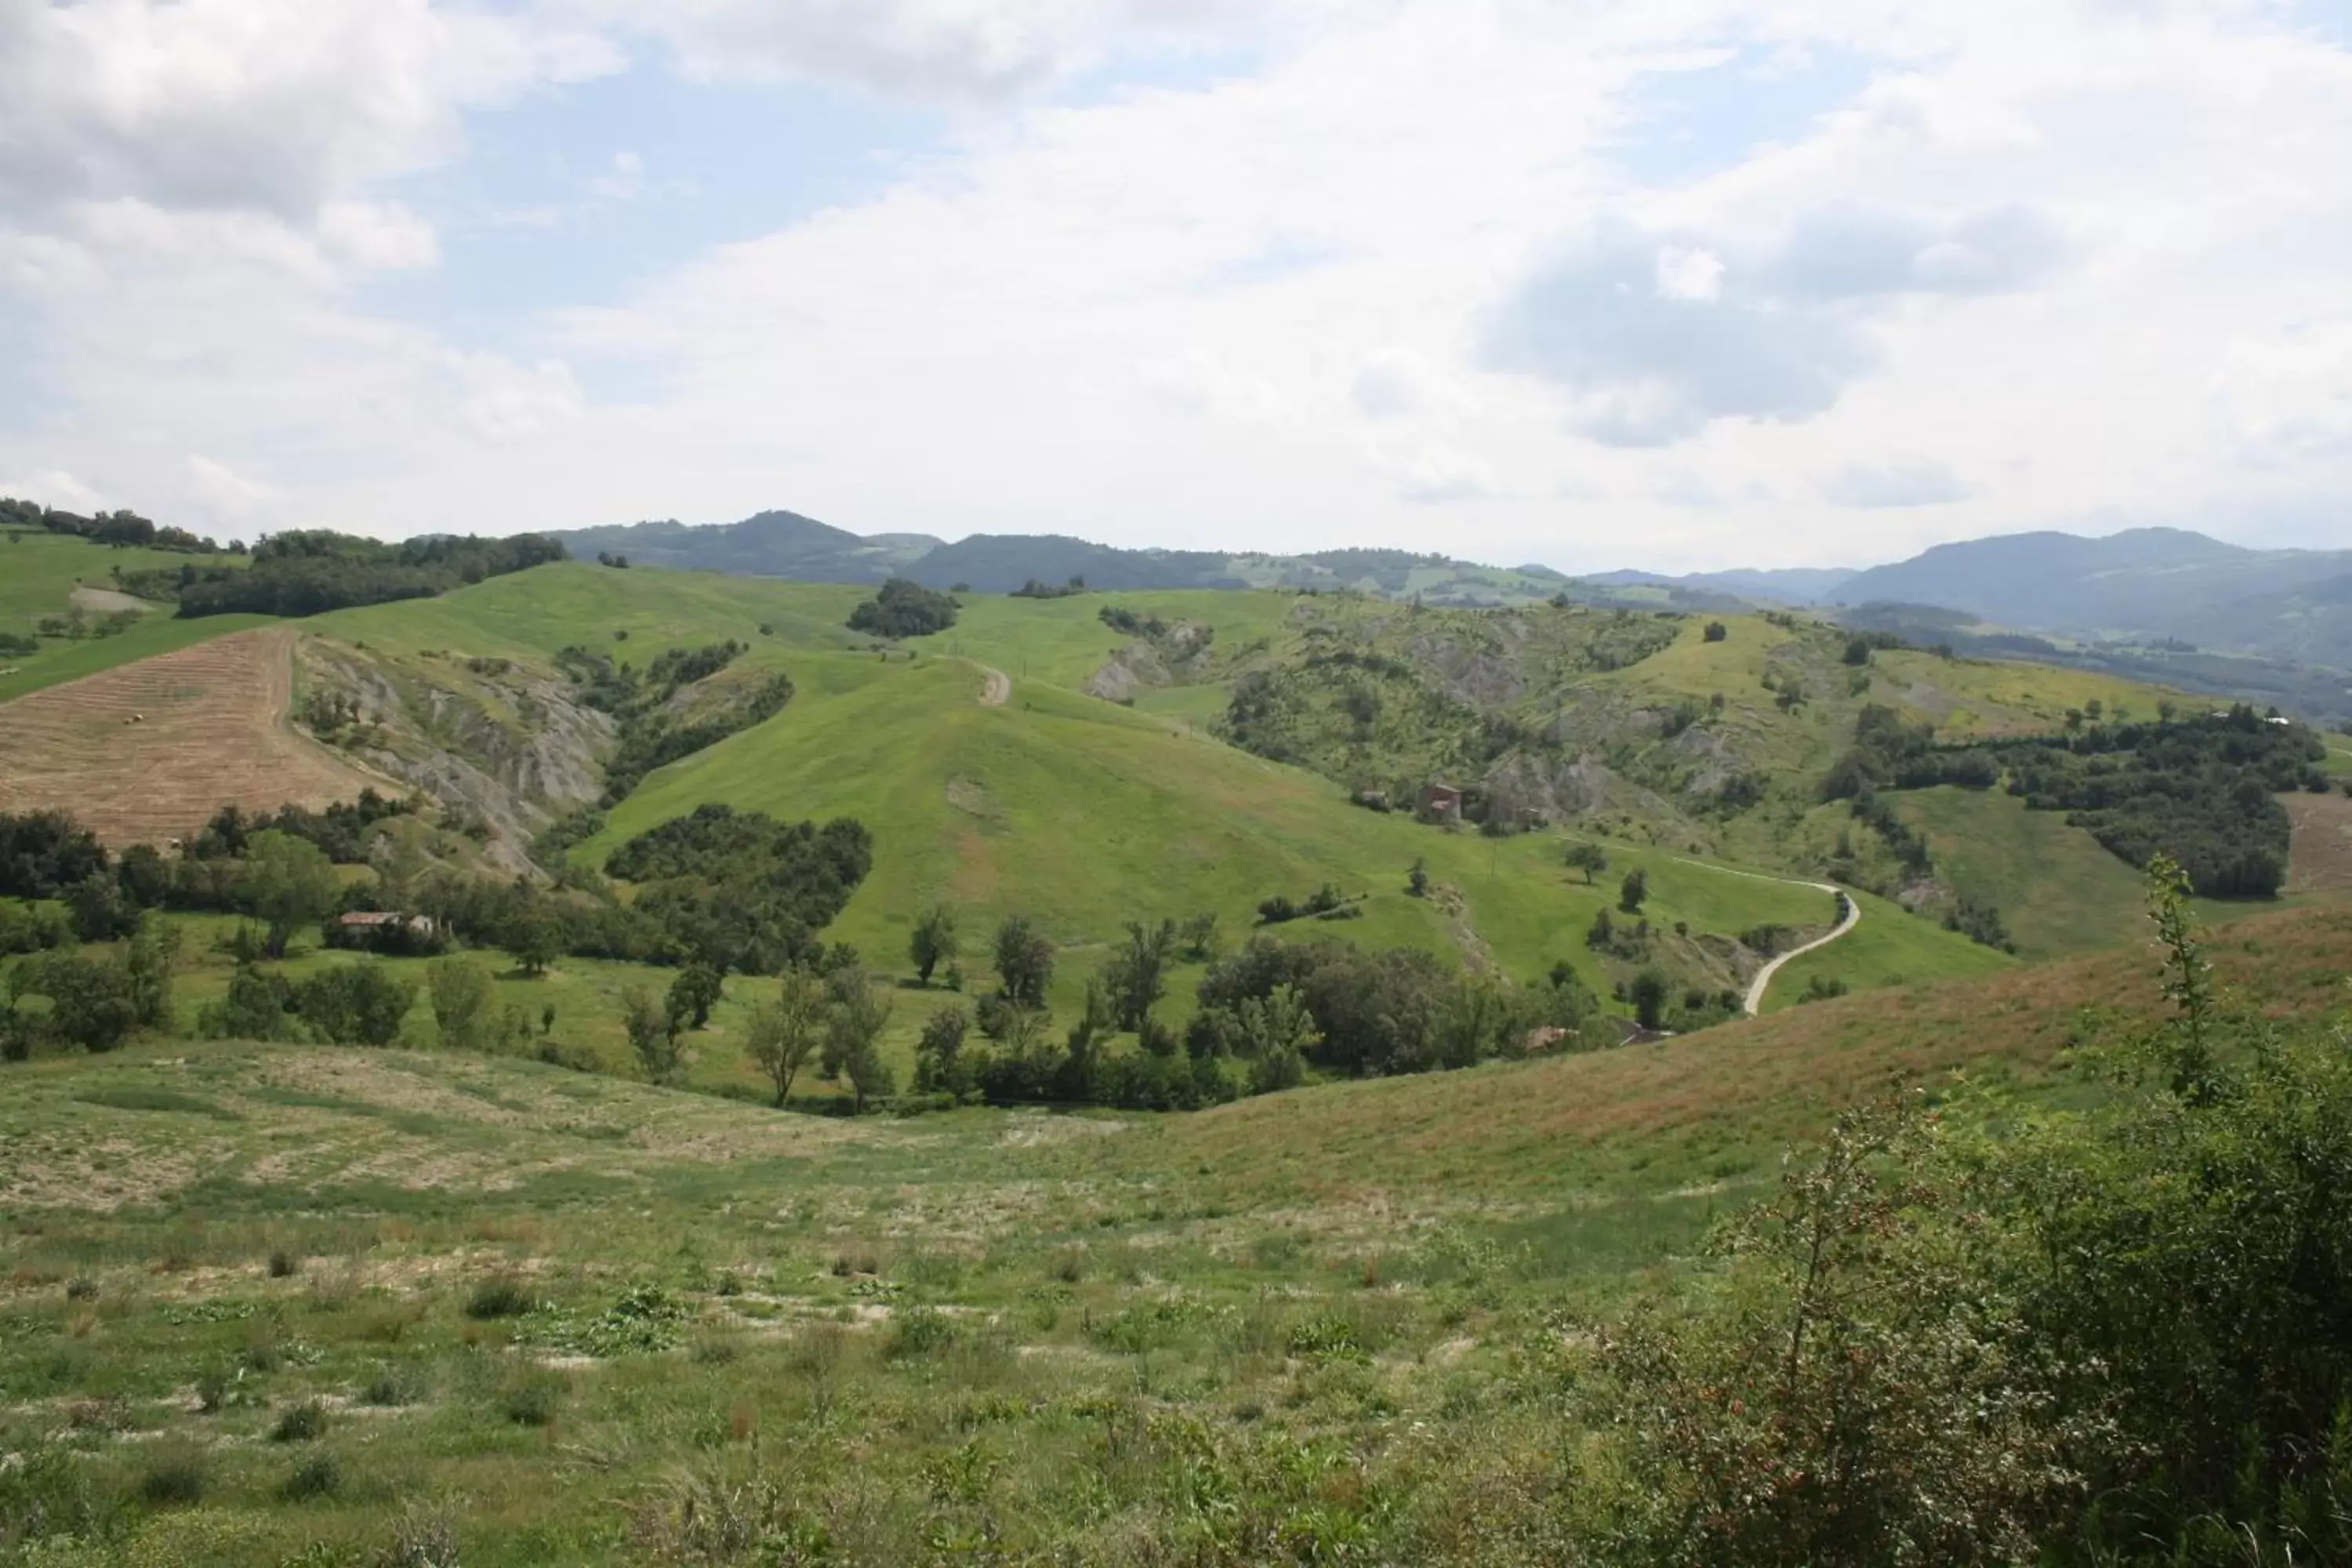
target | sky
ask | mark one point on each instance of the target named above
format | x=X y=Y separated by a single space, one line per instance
x=1677 y=284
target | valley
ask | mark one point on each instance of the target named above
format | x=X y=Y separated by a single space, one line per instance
x=1495 y=959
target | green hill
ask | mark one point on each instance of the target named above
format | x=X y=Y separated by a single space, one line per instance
x=40 y=576
x=1080 y=811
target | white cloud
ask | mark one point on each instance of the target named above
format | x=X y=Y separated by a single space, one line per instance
x=273 y=105
x=1689 y=273
x=377 y=237
x=2092 y=258
x=58 y=489
x=232 y=502
x=1877 y=487
x=958 y=50
x=2288 y=396
x=506 y=402
x=1197 y=382
x=623 y=180
x=1429 y=473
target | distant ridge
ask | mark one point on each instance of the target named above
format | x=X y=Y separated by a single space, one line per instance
x=2144 y=587
x=787 y=544
x=1788 y=586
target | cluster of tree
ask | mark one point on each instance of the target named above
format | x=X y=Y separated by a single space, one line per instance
x=353 y=1004
x=340 y=830
x=1326 y=903
x=42 y=853
x=1981 y=923
x=94 y=1002
x=2201 y=789
x=1377 y=1013
x=121 y=528
x=831 y=1015
x=740 y=891
x=1035 y=589
x=655 y=731
x=905 y=609
x=2115 y=1332
x=1119 y=619
x=307 y=571
x=74 y=626
x=1890 y=754
x=269 y=874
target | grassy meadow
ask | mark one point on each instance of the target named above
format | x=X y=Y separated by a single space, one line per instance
x=39 y=575
x=300 y=1306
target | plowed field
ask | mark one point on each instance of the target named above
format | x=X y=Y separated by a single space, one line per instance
x=148 y=751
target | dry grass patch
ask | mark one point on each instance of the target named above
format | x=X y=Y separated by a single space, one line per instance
x=2320 y=858
x=150 y=750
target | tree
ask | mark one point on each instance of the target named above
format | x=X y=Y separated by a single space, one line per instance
x=536 y=939
x=1278 y=1033
x=653 y=1035
x=460 y=992
x=145 y=876
x=1136 y=977
x=1588 y=858
x=1633 y=891
x=1716 y=631
x=1648 y=993
x=1024 y=962
x=1416 y=881
x=1857 y=650
x=857 y=1012
x=91 y=1003
x=289 y=883
x=44 y=852
x=697 y=990
x=100 y=910
x=355 y=1004
x=904 y=609
x=1201 y=938
x=784 y=1032
x=254 y=1008
x=939 y=1067
x=934 y=942
x=1603 y=933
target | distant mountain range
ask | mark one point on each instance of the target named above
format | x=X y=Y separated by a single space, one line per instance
x=786 y=545
x=2159 y=590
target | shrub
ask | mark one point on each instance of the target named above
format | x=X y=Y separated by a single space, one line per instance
x=303 y=1423
x=533 y=1398
x=176 y=1476
x=500 y=1296
x=320 y=1475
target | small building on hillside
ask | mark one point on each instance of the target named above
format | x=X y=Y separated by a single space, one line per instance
x=1440 y=804
x=384 y=932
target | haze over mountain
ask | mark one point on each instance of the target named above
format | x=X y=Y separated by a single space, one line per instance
x=2147 y=585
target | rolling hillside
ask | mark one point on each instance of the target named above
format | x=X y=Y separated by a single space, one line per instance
x=47 y=576
x=274 y=1304
x=1087 y=813
x=1080 y=811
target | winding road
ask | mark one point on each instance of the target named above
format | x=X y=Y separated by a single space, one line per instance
x=1755 y=987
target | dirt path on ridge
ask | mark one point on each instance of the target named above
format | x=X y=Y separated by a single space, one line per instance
x=1756 y=987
